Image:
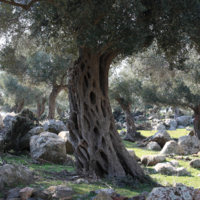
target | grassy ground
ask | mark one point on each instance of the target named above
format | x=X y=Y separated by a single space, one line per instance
x=48 y=175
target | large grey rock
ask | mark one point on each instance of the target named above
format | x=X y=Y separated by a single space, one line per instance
x=132 y=152
x=13 y=193
x=65 y=135
x=184 y=120
x=60 y=191
x=7 y=119
x=159 y=127
x=153 y=146
x=13 y=174
x=25 y=140
x=151 y=160
x=172 y=147
x=54 y=126
x=118 y=126
x=190 y=144
x=161 y=137
x=171 y=124
x=168 y=169
x=175 y=193
x=195 y=163
x=48 y=146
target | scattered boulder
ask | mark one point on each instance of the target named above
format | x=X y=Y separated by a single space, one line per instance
x=153 y=146
x=180 y=127
x=132 y=152
x=25 y=140
x=122 y=133
x=118 y=126
x=176 y=193
x=143 y=126
x=65 y=135
x=13 y=193
x=151 y=160
x=19 y=127
x=168 y=169
x=54 y=126
x=189 y=128
x=191 y=133
x=160 y=127
x=161 y=137
x=48 y=146
x=175 y=163
x=190 y=144
x=13 y=174
x=195 y=163
x=172 y=147
x=60 y=191
x=102 y=196
x=7 y=119
x=171 y=124
x=26 y=192
x=81 y=180
x=184 y=120
x=110 y=192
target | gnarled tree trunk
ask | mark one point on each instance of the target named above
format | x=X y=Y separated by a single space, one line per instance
x=130 y=123
x=41 y=107
x=176 y=113
x=98 y=146
x=197 y=121
x=17 y=108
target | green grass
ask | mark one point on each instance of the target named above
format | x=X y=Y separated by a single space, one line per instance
x=44 y=179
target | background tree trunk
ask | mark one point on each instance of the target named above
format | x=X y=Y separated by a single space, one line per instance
x=176 y=113
x=17 y=108
x=40 y=107
x=130 y=123
x=197 y=121
x=98 y=146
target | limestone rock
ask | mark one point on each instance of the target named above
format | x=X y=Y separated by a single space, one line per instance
x=60 y=191
x=180 y=127
x=122 y=133
x=175 y=163
x=169 y=193
x=171 y=123
x=151 y=160
x=7 y=119
x=118 y=126
x=168 y=169
x=81 y=180
x=191 y=133
x=102 y=196
x=132 y=152
x=48 y=146
x=13 y=193
x=190 y=144
x=161 y=137
x=26 y=192
x=195 y=163
x=160 y=127
x=13 y=174
x=184 y=120
x=65 y=135
x=110 y=192
x=153 y=146
x=172 y=147
x=54 y=126
x=25 y=140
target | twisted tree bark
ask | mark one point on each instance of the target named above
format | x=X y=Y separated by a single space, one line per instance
x=40 y=107
x=197 y=121
x=98 y=146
